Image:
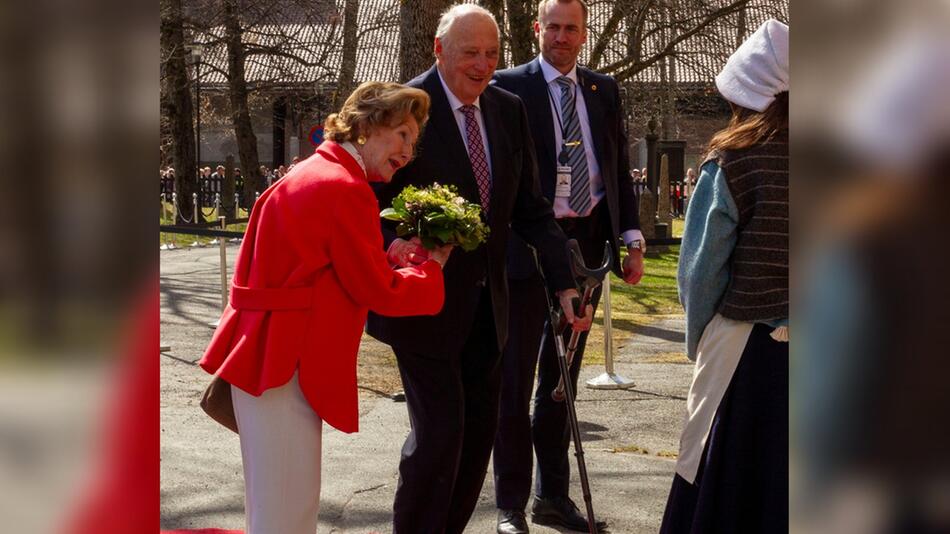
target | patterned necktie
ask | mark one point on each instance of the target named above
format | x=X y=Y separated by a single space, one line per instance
x=476 y=153
x=576 y=155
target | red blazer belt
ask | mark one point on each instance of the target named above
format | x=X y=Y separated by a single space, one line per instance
x=278 y=298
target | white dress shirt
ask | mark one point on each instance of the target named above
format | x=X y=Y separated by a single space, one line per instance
x=596 y=183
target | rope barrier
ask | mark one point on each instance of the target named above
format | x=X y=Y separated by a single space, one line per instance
x=198 y=231
x=176 y=212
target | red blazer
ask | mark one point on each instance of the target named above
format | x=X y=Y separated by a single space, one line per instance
x=310 y=267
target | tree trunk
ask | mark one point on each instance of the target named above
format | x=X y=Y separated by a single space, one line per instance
x=664 y=91
x=240 y=115
x=521 y=15
x=497 y=8
x=418 y=20
x=177 y=106
x=350 y=44
x=610 y=29
x=669 y=118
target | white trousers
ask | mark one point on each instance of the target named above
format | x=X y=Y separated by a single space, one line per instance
x=281 y=438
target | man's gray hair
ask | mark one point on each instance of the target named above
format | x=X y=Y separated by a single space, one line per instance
x=447 y=20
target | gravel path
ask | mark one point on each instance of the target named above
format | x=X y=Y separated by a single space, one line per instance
x=630 y=436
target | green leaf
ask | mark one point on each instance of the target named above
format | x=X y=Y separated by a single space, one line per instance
x=438 y=215
x=390 y=214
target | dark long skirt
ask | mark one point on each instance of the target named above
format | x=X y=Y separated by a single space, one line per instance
x=742 y=482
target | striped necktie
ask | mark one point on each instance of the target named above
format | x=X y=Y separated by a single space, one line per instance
x=576 y=155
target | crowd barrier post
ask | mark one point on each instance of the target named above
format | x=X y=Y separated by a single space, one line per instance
x=217 y=211
x=608 y=379
x=164 y=238
x=171 y=245
x=237 y=215
x=196 y=213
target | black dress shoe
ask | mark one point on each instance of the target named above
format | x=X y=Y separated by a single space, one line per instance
x=562 y=512
x=512 y=522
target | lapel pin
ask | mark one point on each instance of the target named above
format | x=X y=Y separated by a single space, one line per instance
x=593 y=87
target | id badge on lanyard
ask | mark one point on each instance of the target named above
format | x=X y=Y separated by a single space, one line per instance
x=563 y=184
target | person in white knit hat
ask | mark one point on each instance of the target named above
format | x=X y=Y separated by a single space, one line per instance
x=732 y=468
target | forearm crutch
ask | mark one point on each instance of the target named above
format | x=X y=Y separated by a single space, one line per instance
x=591 y=279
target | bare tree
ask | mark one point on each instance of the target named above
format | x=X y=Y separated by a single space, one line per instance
x=284 y=43
x=312 y=52
x=176 y=106
x=667 y=52
x=661 y=24
x=418 y=20
x=237 y=93
x=521 y=15
x=497 y=8
x=350 y=45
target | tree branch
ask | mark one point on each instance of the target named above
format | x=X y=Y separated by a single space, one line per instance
x=629 y=67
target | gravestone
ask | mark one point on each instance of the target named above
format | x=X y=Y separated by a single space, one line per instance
x=663 y=192
x=647 y=213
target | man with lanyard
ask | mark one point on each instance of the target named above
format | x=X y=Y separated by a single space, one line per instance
x=576 y=118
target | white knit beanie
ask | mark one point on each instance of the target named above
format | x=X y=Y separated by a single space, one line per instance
x=758 y=69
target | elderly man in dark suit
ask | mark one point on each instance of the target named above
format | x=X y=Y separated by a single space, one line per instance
x=576 y=118
x=478 y=139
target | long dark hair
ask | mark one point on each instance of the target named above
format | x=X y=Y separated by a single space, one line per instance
x=748 y=127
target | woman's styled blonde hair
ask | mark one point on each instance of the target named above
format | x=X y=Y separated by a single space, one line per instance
x=375 y=104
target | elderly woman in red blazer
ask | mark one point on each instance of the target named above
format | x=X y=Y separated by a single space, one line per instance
x=310 y=267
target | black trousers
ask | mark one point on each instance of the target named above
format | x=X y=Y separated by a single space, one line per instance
x=453 y=413
x=513 y=456
x=531 y=346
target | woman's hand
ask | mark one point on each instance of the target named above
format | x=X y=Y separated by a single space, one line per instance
x=402 y=253
x=441 y=254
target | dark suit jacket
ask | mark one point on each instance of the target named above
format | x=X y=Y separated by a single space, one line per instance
x=516 y=204
x=605 y=111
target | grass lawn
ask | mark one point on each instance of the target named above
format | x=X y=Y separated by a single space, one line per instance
x=633 y=306
x=678 y=225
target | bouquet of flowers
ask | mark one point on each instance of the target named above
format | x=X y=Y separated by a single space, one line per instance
x=437 y=215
